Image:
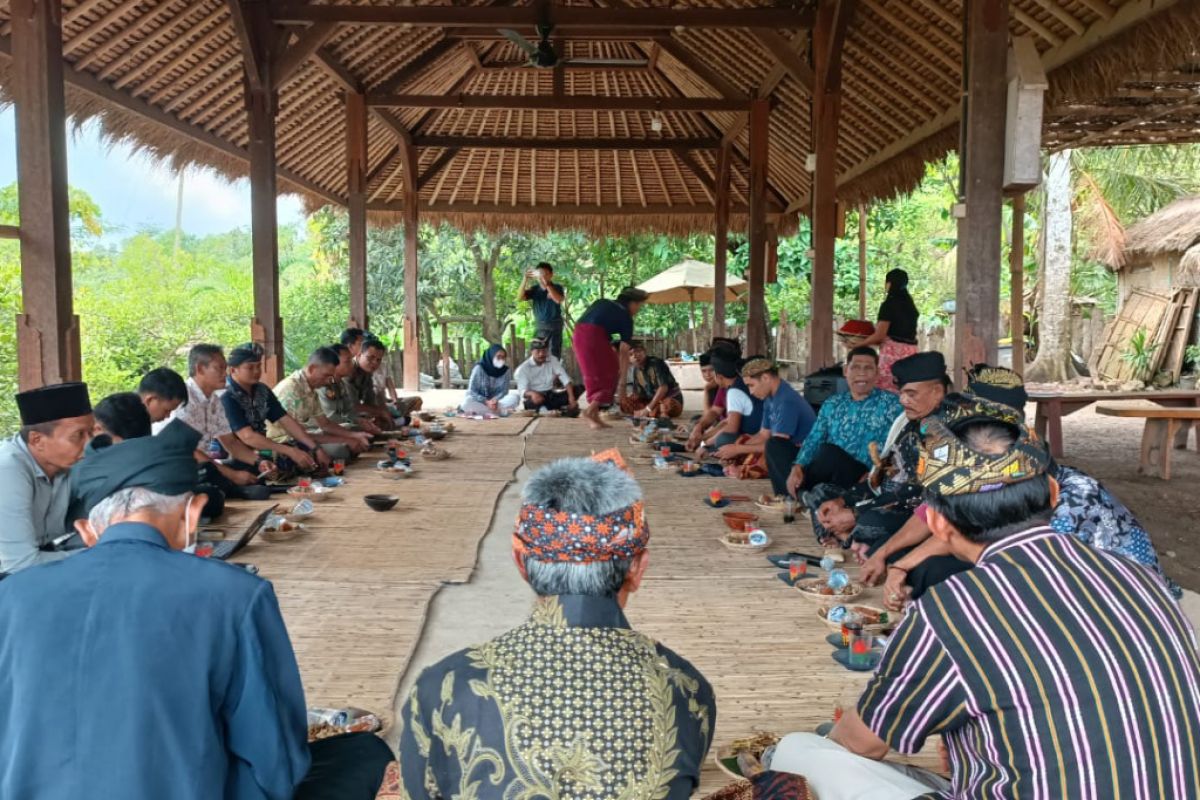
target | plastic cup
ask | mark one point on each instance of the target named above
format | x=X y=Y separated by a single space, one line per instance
x=789 y=510
x=860 y=648
x=797 y=569
x=304 y=483
x=714 y=496
x=339 y=466
x=665 y=452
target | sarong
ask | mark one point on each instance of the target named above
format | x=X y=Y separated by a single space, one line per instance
x=597 y=362
x=891 y=352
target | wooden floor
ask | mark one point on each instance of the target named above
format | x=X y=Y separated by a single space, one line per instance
x=355 y=589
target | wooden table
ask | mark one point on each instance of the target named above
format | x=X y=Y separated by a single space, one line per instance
x=1053 y=406
x=1158 y=437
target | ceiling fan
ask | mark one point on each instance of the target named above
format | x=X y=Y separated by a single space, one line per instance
x=543 y=55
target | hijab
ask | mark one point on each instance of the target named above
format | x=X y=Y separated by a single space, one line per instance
x=486 y=362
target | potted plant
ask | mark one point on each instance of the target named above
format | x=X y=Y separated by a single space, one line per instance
x=1191 y=361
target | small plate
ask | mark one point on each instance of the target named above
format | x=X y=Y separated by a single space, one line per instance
x=723 y=502
x=333 y=482
x=835 y=639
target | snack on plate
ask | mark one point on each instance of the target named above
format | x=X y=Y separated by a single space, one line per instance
x=819 y=589
x=754 y=746
x=324 y=723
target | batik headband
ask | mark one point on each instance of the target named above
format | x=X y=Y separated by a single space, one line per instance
x=948 y=466
x=757 y=366
x=962 y=408
x=549 y=534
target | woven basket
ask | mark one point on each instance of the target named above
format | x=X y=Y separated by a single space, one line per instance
x=856 y=589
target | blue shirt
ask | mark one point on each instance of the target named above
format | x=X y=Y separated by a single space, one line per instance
x=545 y=310
x=34 y=511
x=852 y=425
x=483 y=387
x=610 y=315
x=136 y=671
x=788 y=414
x=253 y=409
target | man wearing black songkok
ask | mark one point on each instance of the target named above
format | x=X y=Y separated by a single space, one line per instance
x=56 y=424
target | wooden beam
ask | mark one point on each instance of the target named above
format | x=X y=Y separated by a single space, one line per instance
x=418 y=65
x=580 y=33
x=10 y=232
x=572 y=102
x=723 y=87
x=786 y=57
x=251 y=25
x=1016 y=280
x=334 y=68
x=977 y=311
x=559 y=17
x=432 y=171
x=396 y=125
x=1062 y=15
x=311 y=40
x=829 y=37
x=267 y=327
x=694 y=167
x=721 y=241
x=47 y=331
x=383 y=164
x=412 y=343
x=756 y=324
x=538 y=143
x=356 y=179
x=637 y=64
x=580 y=209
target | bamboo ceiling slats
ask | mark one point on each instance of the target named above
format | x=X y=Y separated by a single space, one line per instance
x=900 y=96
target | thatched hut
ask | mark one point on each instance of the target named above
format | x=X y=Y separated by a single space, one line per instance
x=1162 y=251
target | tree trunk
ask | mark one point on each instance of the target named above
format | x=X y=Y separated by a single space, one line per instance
x=486 y=267
x=1053 y=362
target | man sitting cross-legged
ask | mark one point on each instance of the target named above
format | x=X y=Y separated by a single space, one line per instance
x=655 y=392
x=743 y=410
x=175 y=673
x=250 y=406
x=1050 y=669
x=337 y=399
x=299 y=394
x=162 y=391
x=369 y=399
x=573 y=703
x=837 y=449
x=536 y=382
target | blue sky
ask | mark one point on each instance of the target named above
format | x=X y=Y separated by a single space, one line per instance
x=136 y=193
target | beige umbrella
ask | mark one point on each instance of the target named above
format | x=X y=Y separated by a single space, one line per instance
x=687 y=282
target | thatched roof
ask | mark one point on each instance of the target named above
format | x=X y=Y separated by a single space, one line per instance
x=166 y=75
x=1174 y=229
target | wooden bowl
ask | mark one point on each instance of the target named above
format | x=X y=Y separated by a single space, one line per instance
x=808 y=588
x=736 y=520
x=381 y=502
x=892 y=618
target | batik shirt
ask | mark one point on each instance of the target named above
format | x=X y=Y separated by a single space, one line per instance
x=572 y=704
x=653 y=375
x=1087 y=511
x=852 y=425
x=1052 y=670
x=301 y=401
x=253 y=409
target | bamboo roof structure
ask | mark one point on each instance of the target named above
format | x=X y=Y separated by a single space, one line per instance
x=595 y=146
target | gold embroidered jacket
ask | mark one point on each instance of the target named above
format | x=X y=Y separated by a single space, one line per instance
x=572 y=704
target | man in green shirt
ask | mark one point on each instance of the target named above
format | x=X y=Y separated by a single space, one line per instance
x=337 y=399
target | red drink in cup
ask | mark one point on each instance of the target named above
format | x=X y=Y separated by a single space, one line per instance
x=304 y=483
x=714 y=496
x=665 y=452
x=797 y=569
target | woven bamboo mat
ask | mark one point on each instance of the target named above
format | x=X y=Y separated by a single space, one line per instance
x=356 y=585
x=502 y=426
x=757 y=641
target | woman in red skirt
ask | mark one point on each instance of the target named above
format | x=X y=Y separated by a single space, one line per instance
x=603 y=366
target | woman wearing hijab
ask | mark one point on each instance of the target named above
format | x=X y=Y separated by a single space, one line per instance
x=896 y=330
x=488 y=394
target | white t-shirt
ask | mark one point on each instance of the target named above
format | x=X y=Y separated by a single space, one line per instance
x=738 y=402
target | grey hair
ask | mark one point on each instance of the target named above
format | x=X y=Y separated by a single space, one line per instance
x=989 y=437
x=597 y=579
x=582 y=486
x=126 y=502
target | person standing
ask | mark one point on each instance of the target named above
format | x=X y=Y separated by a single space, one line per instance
x=547 y=298
x=56 y=425
x=603 y=367
x=896 y=330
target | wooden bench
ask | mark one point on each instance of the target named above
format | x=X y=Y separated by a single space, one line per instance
x=1053 y=406
x=1159 y=436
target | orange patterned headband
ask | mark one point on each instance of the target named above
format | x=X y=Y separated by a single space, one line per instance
x=551 y=535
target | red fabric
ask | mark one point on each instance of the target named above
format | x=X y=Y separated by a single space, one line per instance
x=891 y=352
x=597 y=362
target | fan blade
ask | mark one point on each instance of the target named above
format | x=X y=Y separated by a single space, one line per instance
x=520 y=41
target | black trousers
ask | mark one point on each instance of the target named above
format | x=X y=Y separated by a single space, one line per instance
x=552 y=332
x=349 y=767
x=553 y=399
x=780 y=454
x=930 y=572
x=833 y=465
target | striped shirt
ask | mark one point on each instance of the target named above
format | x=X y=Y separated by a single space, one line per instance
x=1052 y=670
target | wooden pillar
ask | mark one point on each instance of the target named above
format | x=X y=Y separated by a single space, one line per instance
x=977 y=314
x=862 y=261
x=259 y=37
x=412 y=344
x=829 y=32
x=48 y=330
x=356 y=166
x=721 y=242
x=1016 y=272
x=760 y=119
